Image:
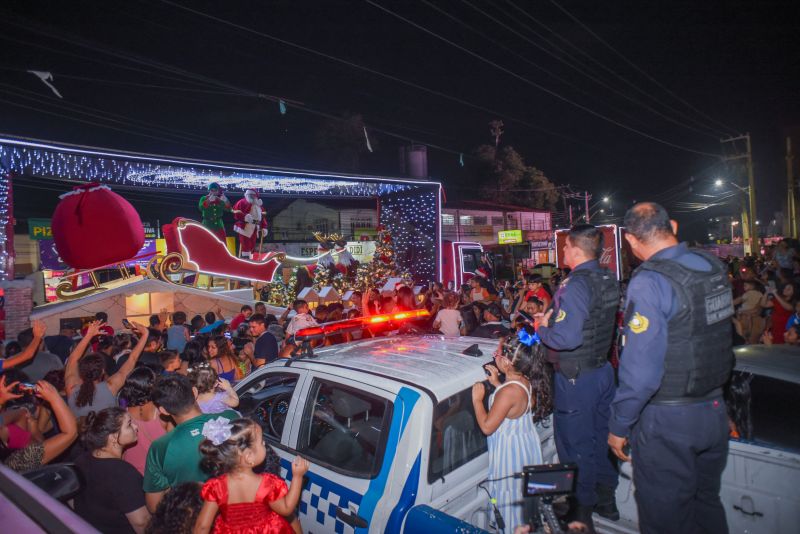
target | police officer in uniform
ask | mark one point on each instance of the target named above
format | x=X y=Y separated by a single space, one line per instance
x=677 y=357
x=578 y=329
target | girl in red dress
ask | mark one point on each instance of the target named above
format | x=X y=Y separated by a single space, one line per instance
x=247 y=502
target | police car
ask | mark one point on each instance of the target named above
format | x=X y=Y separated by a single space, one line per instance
x=388 y=427
x=761 y=482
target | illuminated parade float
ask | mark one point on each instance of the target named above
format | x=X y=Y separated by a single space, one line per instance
x=100 y=245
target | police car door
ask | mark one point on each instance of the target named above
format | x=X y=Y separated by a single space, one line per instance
x=364 y=455
x=272 y=397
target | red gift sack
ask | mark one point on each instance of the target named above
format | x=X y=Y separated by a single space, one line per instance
x=93 y=226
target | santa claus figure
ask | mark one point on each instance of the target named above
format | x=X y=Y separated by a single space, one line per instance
x=324 y=247
x=345 y=262
x=250 y=220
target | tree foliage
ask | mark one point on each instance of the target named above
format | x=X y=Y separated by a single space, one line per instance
x=340 y=143
x=507 y=179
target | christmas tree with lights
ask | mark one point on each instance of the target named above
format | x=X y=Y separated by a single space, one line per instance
x=279 y=293
x=383 y=266
x=328 y=275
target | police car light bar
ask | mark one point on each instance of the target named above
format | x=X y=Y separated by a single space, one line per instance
x=359 y=323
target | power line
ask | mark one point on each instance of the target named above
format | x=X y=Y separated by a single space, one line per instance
x=374 y=72
x=170 y=68
x=85 y=57
x=538 y=86
x=194 y=139
x=647 y=94
x=582 y=72
x=525 y=59
x=641 y=71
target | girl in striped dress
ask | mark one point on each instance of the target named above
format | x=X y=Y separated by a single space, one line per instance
x=516 y=403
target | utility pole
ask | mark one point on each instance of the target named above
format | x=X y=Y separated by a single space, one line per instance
x=586 y=198
x=749 y=228
x=791 y=207
x=751 y=182
x=496 y=129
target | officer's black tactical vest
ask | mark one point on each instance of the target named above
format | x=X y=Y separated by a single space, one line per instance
x=699 y=355
x=598 y=330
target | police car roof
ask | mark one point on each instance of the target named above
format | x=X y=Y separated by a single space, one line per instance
x=432 y=362
x=781 y=362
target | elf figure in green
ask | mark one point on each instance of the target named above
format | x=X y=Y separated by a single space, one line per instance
x=213 y=206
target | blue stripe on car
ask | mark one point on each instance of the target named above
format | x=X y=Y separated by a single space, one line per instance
x=404 y=405
x=407 y=499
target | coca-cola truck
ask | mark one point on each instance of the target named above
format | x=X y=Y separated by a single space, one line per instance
x=460 y=260
x=616 y=256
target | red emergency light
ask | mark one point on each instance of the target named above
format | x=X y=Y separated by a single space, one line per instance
x=359 y=323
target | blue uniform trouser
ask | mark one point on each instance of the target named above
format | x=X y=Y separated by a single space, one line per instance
x=581 y=429
x=678 y=455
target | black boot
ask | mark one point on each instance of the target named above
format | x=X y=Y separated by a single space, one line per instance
x=606 y=503
x=583 y=514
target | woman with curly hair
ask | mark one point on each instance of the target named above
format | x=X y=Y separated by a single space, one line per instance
x=87 y=386
x=136 y=396
x=112 y=499
x=526 y=395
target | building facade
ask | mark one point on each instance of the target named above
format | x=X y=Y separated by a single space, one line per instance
x=483 y=222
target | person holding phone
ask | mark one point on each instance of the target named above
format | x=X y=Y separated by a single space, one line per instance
x=87 y=386
x=514 y=407
x=37 y=454
x=782 y=304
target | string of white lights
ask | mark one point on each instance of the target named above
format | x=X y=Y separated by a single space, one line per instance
x=5 y=224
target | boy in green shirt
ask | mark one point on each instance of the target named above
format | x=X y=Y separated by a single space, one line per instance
x=174 y=458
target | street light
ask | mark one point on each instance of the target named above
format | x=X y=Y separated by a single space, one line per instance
x=718 y=182
x=606 y=199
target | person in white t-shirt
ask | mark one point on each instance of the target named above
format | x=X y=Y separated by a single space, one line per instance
x=302 y=320
x=448 y=321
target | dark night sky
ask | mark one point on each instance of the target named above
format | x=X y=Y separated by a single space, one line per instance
x=736 y=62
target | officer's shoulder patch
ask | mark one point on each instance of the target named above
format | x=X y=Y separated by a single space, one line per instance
x=638 y=323
x=561 y=316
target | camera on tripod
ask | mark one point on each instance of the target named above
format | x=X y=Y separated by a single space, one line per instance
x=541 y=483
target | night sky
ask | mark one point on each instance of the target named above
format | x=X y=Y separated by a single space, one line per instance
x=189 y=81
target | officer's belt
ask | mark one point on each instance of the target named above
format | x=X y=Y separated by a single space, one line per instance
x=571 y=369
x=683 y=401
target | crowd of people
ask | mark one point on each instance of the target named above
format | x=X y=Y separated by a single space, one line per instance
x=148 y=412
x=766 y=289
